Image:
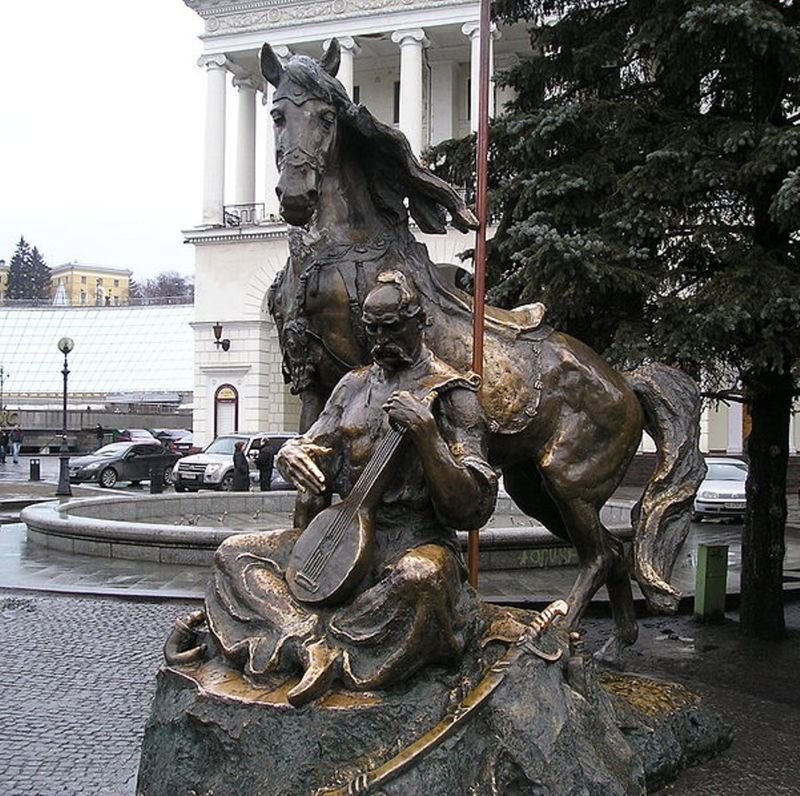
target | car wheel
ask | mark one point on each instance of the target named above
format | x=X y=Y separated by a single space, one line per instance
x=168 y=475
x=696 y=517
x=108 y=478
x=180 y=488
x=227 y=483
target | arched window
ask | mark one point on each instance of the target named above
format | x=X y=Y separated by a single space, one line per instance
x=226 y=410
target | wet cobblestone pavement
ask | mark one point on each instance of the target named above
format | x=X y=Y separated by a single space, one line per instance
x=77 y=672
x=76 y=679
x=754 y=685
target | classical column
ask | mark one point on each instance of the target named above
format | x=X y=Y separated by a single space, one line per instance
x=245 y=185
x=735 y=424
x=214 y=164
x=411 y=43
x=472 y=31
x=443 y=82
x=349 y=49
x=271 y=204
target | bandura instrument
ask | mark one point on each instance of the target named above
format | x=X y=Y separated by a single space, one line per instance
x=333 y=553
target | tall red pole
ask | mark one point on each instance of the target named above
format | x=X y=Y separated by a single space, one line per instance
x=481 y=211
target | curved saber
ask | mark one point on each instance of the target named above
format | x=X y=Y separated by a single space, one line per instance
x=455 y=717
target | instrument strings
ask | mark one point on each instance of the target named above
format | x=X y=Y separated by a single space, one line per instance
x=319 y=556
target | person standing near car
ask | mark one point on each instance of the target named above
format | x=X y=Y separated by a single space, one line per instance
x=4 y=443
x=99 y=433
x=264 y=462
x=16 y=443
x=241 y=470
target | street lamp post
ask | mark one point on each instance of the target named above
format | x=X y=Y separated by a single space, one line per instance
x=4 y=374
x=65 y=345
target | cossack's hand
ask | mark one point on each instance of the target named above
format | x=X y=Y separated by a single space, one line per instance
x=407 y=412
x=294 y=461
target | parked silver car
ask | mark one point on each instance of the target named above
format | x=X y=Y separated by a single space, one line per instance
x=721 y=494
x=213 y=468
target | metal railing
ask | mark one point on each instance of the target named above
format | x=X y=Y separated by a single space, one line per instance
x=131 y=301
x=243 y=215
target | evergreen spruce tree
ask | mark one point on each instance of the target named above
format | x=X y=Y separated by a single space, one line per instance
x=134 y=291
x=19 y=271
x=40 y=276
x=647 y=181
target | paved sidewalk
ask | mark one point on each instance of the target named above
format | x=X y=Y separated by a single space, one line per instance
x=78 y=670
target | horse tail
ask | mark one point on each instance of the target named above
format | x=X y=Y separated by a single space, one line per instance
x=671 y=403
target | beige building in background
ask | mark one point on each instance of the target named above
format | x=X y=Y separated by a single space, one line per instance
x=3 y=280
x=78 y=284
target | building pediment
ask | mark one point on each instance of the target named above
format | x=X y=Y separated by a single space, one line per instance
x=223 y=17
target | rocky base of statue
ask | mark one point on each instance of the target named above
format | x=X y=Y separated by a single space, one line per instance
x=512 y=720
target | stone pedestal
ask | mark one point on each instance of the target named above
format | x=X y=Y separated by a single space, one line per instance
x=509 y=722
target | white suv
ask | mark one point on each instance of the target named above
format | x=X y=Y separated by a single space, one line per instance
x=213 y=468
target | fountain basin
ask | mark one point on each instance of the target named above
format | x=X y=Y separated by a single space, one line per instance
x=186 y=529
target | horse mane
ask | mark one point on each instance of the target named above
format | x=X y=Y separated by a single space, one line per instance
x=393 y=171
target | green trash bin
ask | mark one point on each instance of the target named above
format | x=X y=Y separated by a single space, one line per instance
x=712 y=582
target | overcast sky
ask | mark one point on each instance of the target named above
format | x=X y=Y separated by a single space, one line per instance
x=101 y=131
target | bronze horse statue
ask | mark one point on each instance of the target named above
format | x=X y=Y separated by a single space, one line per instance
x=564 y=425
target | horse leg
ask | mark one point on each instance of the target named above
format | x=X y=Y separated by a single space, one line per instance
x=526 y=487
x=575 y=520
x=594 y=556
x=311 y=406
x=602 y=561
x=620 y=595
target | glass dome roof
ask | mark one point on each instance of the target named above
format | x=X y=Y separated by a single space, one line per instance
x=117 y=349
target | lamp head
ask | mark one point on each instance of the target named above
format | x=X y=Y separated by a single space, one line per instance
x=65 y=345
x=224 y=344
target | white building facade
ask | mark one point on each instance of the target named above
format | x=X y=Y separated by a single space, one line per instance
x=412 y=62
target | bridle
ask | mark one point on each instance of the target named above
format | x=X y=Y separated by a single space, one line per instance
x=297 y=156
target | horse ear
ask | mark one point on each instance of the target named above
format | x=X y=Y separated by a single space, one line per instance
x=333 y=56
x=271 y=67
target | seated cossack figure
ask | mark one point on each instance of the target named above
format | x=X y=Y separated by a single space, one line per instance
x=403 y=441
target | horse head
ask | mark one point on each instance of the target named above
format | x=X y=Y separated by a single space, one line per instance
x=305 y=114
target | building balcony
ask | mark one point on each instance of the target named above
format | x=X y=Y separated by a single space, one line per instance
x=243 y=215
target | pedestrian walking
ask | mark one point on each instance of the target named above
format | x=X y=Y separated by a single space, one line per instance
x=264 y=462
x=16 y=443
x=99 y=434
x=4 y=443
x=241 y=470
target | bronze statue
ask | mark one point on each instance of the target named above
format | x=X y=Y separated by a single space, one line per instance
x=371 y=591
x=564 y=425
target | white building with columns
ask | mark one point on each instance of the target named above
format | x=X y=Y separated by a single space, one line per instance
x=412 y=62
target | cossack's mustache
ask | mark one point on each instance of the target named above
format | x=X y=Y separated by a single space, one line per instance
x=390 y=351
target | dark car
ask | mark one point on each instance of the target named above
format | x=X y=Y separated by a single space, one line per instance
x=133 y=435
x=122 y=461
x=169 y=436
x=185 y=445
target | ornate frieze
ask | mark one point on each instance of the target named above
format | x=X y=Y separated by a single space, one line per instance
x=224 y=17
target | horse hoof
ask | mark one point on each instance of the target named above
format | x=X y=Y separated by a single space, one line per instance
x=612 y=654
